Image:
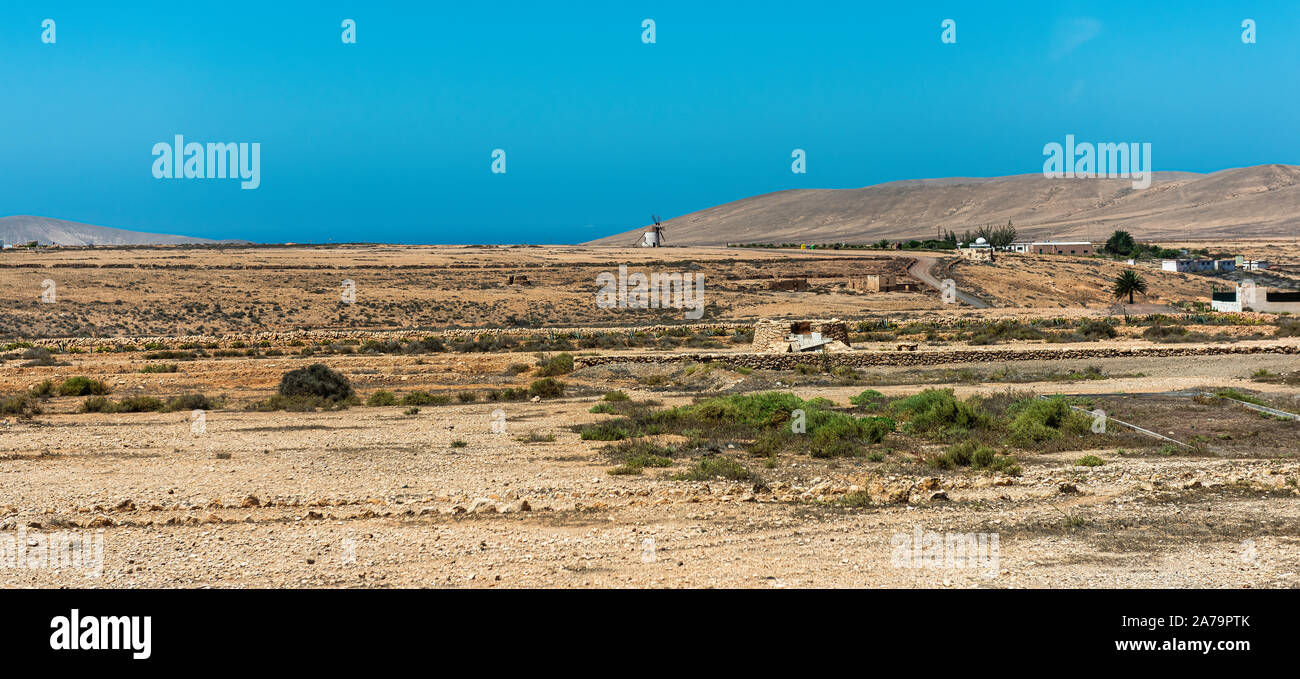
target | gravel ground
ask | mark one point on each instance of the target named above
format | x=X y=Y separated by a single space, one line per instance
x=371 y=497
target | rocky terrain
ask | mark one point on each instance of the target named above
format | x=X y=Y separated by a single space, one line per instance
x=473 y=473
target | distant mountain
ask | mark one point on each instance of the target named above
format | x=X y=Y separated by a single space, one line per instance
x=1260 y=201
x=25 y=228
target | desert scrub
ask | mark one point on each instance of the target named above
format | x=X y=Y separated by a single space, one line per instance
x=846 y=373
x=840 y=435
x=160 y=368
x=613 y=430
x=458 y=443
x=769 y=416
x=1239 y=396
x=712 y=467
x=466 y=396
x=81 y=386
x=1090 y=461
x=22 y=405
x=559 y=364
x=381 y=398
x=316 y=381
x=633 y=456
x=42 y=389
x=534 y=437
x=976 y=456
x=1035 y=420
x=615 y=396
x=870 y=399
x=546 y=387
x=148 y=404
x=424 y=398
x=411 y=411
x=937 y=413
x=509 y=394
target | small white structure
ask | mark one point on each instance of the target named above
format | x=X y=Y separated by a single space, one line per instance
x=979 y=251
x=1187 y=265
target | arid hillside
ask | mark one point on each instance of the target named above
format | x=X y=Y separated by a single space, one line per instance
x=1251 y=202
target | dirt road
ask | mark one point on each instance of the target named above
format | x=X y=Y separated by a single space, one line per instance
x=921 y=270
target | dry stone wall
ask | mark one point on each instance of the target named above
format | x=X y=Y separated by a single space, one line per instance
x=866 y=359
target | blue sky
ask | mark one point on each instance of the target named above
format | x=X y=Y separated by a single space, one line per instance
x=390 y=139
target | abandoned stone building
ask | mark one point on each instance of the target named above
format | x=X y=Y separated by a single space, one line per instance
x=788 y=284
x=780 y=337
x=877 y=283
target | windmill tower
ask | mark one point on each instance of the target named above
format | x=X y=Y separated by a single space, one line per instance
x=652 y=236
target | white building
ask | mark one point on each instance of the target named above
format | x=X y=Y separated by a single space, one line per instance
x=1250 y=298
x=1187 y=265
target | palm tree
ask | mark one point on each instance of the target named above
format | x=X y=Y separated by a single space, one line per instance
x=1128 y=283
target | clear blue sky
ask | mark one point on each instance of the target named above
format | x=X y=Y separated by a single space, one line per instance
x=390 y=139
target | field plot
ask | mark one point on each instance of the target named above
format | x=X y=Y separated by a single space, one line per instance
x=215 y=453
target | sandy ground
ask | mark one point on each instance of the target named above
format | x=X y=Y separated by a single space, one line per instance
x=372 y=497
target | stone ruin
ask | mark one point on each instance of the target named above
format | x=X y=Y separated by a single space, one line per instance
x=788 y=284
x=877 y=283
x=782 y=337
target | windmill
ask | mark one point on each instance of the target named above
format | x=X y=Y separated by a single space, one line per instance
x=652 y=236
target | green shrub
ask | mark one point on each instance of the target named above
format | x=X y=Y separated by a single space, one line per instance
x=458 y=444
x=1036 y=420
x=381 y=398
x=424 y=398
x=546 y=387
x=869 y=399
x=318 y=381
x=771 y=443
x=636 y=455
x=615 y=396
x=43 y=389
x=711 y=467
x=613 y=430
x=1090 y=461
x=97 y=404
x=938 y=413
x=160 y=368
x=82 y=386
x=839 y=435
x=22 y=405
x=466 y=396
x=972 y=454
x=559 y=364
x=301 y=404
